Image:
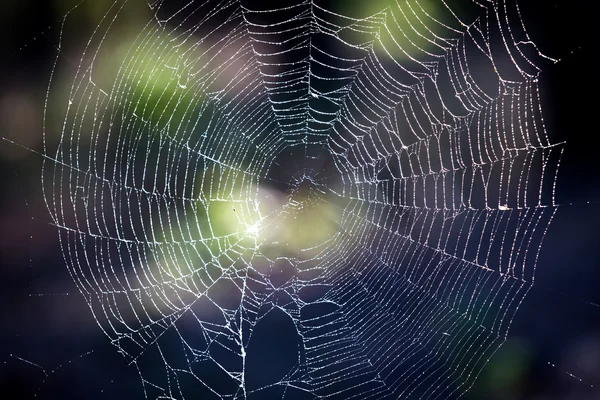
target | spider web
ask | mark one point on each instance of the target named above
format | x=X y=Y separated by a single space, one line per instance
x=370 y=191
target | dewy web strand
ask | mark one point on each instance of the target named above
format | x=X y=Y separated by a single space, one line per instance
x=379 y=184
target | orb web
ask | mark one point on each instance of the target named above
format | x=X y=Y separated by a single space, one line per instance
x=376 y=186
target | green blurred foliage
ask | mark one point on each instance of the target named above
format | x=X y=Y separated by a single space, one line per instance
x=506 y=375
x=410 y=23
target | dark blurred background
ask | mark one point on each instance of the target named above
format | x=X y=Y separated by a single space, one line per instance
x=51 y=347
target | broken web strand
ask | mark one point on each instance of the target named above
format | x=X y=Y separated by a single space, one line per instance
x=451 y=292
